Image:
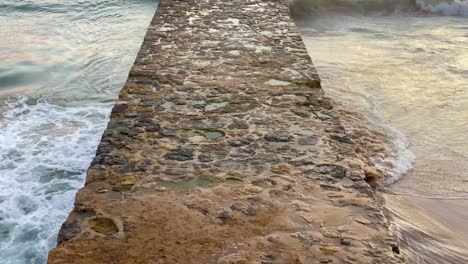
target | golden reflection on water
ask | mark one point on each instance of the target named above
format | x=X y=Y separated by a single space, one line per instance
x=67 y=60
x=413 y=72
x=416 y=77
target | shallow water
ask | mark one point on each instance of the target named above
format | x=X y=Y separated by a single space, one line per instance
x=408 y=69
x=62 y=65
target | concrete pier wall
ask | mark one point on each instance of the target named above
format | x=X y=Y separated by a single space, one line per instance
x=222 y=148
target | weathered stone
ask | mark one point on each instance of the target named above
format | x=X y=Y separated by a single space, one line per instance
x=345 y=241
x=204 y=158
x=395 y=247
x=334 y=170
x=119 y=108
x=240 y=143
x=278 y=137
x=180 y=154
x=341 y=138
x=307 y=141
x=103 y=226
x=69 y=231
x=242 y=153
x=214 y=134
x=305 y=238
x=223 y=108
x=233 y=165
x=329 y=249
x=326 y=260
x=238 y=124
x=300 y=113
x=165 y=132
x=152 y=128
x=216 y=151
x=250 y=211
x=225 y=216
x=301 y=162
x=125 y=168
x=362 y=220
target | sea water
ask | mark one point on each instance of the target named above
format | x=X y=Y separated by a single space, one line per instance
x=62 y=64
x=404 y=65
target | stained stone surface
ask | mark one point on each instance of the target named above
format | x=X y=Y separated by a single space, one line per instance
x=222 y=148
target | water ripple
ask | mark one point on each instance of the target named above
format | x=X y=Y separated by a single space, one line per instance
x=63 y=63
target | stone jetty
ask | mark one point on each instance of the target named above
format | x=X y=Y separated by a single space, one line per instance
x=222 y=148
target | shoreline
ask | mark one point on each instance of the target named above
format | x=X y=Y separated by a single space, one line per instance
x=353 y=58
x=429 y=229
x=223 y=148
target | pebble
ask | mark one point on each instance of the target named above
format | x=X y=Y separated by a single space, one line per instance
x=225 y=216
x=362 y=221
x=345 y=241
x=326 y=260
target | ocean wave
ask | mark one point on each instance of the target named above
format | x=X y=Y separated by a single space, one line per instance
x=45 y=150
x=383 y=148
x=400 y=159
x=306 y=8
x=449 y=8
x=420 y=232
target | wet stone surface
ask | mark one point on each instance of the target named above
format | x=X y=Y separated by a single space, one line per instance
x=223 y=148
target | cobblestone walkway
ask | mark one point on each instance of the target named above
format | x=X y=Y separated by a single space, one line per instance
x=223 y=149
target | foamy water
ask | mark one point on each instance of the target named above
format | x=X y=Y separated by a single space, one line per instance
x=62 y=65
x=45 y=150
x=312 y=8
x=450 y=8
x=404 y=65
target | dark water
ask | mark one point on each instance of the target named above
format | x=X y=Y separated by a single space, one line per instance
x=62 y=64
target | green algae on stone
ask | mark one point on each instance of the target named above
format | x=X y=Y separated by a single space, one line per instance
x=233 y=180
x=215 y=106
x=167 y=106
x=214 y=134
x=208 y=134
x=199 y=104
x=187 y=184
x=190 y=133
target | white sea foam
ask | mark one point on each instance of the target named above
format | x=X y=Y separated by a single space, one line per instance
x=448 y=8
x=401 y=159
x=45 y=150
x=317 y=7
x=386 y=148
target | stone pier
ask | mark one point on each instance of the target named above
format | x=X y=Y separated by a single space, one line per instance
x=222 y=148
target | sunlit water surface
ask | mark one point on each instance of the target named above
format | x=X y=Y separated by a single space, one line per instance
x=409 y=69
x=62 y=64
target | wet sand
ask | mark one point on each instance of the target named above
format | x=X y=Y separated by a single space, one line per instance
x=434 y=231
x=406 y=74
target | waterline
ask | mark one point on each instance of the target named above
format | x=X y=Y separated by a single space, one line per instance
x=63 y=64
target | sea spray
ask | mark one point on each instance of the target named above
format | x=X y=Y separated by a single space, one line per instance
x=408 y=68
x=383 y=147
x=45 y=150
x=68 y=59
x=310 y=9
x=448 y=8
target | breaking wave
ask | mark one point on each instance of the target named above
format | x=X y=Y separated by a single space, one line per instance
x=45 y=150
x=382 y=147
x=77 y=55
x=302 y=8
